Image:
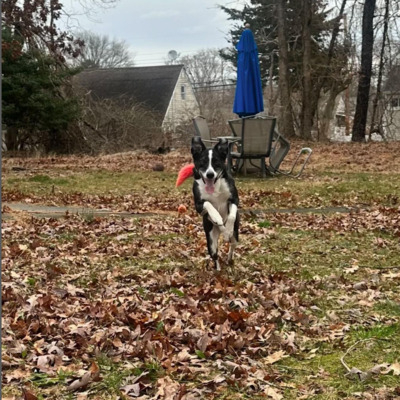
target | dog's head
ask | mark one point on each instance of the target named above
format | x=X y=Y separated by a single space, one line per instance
x=209 y=164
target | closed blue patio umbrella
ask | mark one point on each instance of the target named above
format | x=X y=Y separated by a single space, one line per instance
x=248 y=95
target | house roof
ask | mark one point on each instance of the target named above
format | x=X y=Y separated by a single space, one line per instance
x=392 y=83
x=152 y=86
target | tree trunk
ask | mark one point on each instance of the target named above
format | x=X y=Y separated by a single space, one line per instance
x=364 y=83
x=11 y=138
x=375 y=125
x=306 y=113
x=286 y=116
x=322 y=81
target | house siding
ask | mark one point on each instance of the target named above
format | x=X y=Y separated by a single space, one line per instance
x=390 y=119
x=391 y=116
x=181 y=108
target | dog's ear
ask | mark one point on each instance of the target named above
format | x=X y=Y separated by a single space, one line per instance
x=197 y=146
x=222 y=147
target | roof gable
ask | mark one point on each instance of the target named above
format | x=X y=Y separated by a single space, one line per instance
x=152 y=86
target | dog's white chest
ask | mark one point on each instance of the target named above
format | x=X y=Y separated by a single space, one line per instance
x=219 y=199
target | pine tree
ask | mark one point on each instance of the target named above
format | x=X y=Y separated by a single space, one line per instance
x=34 y=107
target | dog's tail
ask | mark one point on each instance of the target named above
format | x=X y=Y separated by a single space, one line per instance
x=184 y=173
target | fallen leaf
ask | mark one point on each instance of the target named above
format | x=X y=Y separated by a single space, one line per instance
x=203 y=342
x=272 y=393
x=392 y=369
x=132 y=390
x=273 y=358
x=183 y=356
x=88 y=377
x=167 y=389
x=29 y=395
x=360 y=286
x=80 y=383
x=16 y=374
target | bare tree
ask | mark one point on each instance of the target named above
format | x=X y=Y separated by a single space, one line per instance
x=73 y=11
x=306 y=112
x=108 y=126
x=340 y=77
x=286 y=117
x=99 y=51
x=207 y=68
x=364 y=83
x=35 y=24
x=211 y=77
x=375 y=125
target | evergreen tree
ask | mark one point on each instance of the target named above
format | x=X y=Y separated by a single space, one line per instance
x=34 y=107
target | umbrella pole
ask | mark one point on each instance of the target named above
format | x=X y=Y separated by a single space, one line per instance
x=244 y=160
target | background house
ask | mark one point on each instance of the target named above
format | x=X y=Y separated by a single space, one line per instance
x=387 y=117
x=166 y=90
x=391 y=110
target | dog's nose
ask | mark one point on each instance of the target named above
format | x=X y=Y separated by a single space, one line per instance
x=210 y=175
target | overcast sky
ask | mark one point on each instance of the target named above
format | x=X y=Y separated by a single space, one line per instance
x=152 y=28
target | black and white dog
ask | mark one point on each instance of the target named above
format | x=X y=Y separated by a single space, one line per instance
x=215 y=196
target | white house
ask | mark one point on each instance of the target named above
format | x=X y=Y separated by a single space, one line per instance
x=391 y=111
x=164 y=89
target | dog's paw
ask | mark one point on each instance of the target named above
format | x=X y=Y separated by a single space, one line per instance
x=213 y=215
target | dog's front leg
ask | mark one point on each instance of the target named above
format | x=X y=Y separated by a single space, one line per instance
x=234 y=238
x=213 y=215
x=212 y=235
x=230 y=222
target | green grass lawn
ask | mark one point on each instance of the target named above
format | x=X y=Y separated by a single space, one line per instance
x=322 y=190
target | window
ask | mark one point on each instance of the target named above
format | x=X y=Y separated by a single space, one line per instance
x=395 y=103
x=183 y=93
x=340 y=120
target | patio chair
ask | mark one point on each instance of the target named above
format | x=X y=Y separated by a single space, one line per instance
x=202 y=130
x=280 y=148
x=256 y=140
x=236 y=126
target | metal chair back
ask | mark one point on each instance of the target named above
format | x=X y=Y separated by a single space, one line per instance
x=236 y=126
x=201 y=128
x=280 y=148
x=257 y=134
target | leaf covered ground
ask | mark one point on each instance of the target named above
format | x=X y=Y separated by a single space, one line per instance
x=130 y=308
